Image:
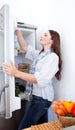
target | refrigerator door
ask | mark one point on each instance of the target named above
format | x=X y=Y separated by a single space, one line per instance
x=8 y=101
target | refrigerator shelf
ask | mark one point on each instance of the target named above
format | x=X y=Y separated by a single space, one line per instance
x=19 y=51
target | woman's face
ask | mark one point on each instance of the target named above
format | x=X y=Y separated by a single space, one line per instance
x=45 y=38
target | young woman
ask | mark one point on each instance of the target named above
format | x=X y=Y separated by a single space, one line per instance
x=45 y=65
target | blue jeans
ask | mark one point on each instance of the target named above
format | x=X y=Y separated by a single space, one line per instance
x=37 y=112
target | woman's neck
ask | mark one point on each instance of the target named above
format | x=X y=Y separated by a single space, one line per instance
x=46 y=48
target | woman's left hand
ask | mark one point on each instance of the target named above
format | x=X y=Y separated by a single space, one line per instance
x=10 y=69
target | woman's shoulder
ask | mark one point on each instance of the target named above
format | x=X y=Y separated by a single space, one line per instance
x=53 y=55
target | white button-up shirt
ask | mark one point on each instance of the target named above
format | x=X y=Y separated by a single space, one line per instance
x=45 y=70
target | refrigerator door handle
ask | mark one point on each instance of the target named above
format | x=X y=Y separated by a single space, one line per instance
x=3 y=89
x=8 y=113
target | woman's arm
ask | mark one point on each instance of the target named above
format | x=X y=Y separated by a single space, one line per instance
x=26 y=76
x=21 y=40
x=11 y=70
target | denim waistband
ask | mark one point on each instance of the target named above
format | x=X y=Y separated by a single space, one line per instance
x=39 y=98
x=36 y=97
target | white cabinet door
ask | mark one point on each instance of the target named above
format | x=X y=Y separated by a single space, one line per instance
x=8 y=101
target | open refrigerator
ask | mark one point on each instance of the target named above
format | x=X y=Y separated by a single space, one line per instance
x=10 y=50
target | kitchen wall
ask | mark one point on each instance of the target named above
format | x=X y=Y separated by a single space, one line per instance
x=58 y=15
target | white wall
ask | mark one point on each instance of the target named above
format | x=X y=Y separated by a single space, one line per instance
x=58 y=15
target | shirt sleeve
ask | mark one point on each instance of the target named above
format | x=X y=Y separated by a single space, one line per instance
x=47 y=70
x=31 y=53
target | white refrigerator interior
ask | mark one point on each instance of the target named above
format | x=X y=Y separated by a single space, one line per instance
x=9 y=49
x=29 y=34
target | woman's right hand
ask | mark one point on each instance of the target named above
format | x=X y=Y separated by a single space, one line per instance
x=21 y=40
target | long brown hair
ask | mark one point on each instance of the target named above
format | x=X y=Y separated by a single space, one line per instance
x=56 y=48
